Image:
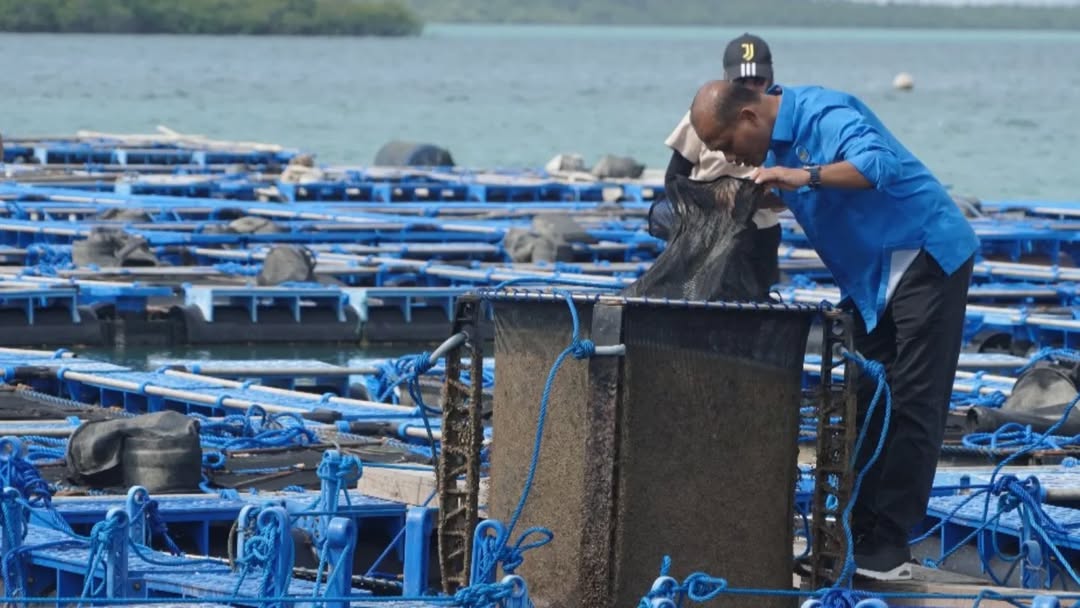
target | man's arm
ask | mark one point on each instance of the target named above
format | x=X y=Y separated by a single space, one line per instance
x=836 y=175
x=843 y=174
x=865 y=158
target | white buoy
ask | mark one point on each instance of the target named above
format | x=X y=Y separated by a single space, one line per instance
x=903 y=81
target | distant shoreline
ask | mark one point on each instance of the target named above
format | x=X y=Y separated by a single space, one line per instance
x=749 y=13
x=212 y=17
x=402 y=18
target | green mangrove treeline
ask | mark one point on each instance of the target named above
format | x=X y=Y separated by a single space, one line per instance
x=795 y=13
x=287 y=17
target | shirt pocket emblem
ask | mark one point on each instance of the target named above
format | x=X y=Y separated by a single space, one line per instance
x=802 y=154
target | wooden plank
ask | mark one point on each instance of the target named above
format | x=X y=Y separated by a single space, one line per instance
x=409 y=487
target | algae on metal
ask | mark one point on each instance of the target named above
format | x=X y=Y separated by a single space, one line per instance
x=696 y=456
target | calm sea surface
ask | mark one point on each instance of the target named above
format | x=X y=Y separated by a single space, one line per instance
x=994 y=114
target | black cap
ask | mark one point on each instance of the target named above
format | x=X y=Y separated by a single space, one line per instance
x=747 y=56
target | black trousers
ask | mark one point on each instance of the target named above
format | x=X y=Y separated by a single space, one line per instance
x=918 y=340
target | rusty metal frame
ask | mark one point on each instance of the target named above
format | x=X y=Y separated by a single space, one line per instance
x=462 y=439
x=596 y=580
x=836 y=432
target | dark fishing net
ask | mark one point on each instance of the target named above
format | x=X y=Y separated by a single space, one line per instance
x=710 y=254
x=112 y=247
x=1038 y=400
x=159 y=451
x=286 y=263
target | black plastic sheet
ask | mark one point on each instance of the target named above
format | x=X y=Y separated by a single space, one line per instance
x=1038 y=399
x=159 y=451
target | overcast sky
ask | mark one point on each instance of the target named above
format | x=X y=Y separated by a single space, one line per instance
x=984 y=2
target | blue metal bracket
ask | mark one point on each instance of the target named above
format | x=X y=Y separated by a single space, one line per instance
x=12 y=531
x=116 y=558
x=137 y=497
x=486 y=531
x=519 y=594
x=419 y=524
x=340 y=549
x=244 y=522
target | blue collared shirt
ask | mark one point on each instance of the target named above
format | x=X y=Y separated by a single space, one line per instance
x=855 y=231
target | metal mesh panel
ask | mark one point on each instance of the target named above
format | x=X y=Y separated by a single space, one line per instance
x=697 y=436
x=707 y=447
x=528 y=337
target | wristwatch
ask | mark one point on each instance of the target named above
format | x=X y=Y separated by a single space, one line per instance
x=815 y=176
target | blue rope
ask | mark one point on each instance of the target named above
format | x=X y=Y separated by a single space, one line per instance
x=490 y=551
x=407 y=369
x=394 y=372
x=1013 y=494
x=487 y=595
x=338 y=567
x=44 y=448
x=348 y=470
x=242 y=432
x=348 y=473
x=260 y=551
x=1050 y=353
x=18 y=473
x=264 y=470
x=876 y=371
x=14 y=526
x=213 y=460
x=1012 y=436
x=236 y=268
x=698 y=587
x=1025 y=497
x=995 y=399
x=157 y=525
x=102 y=536
x=420 y=450
x=480 y=595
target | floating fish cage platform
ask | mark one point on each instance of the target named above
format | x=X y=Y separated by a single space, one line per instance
x=108 y=153
x=58 y=313
x=955 y=523
x=348 y=484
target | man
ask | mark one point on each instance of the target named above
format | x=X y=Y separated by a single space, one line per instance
x=902 y=254
x=747 y=62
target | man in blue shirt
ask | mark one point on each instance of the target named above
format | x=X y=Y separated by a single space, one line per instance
x=900 y=251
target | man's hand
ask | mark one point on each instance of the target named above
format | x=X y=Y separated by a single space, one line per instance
x=781 y=177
